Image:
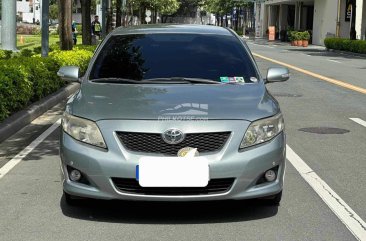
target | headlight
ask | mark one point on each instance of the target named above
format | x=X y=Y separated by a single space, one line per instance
x=83 y=130
x=262 y=130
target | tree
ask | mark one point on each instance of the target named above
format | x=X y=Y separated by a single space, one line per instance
x=65 y=21
x=164 y=7
x=53 y=11
x=223 y=8
x=118 y=13
x=86 y=21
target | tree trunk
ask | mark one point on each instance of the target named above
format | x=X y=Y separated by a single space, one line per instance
x=86 y=21
x=118 y=13
x=155 y=15
x=65 y=22
x=140 y=15
x=109 y=17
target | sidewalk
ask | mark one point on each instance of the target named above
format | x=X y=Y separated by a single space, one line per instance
x=265 y=42
x=311 y=49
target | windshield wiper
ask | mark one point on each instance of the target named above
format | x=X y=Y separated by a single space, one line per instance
x=182 y=80
x=172 y=80
x=116 y=81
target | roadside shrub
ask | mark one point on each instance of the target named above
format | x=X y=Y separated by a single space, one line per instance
x=90 y=48
x=79 y=28
x=15 y=88
x=52 y=47
x=28 y=30
x=239 y=32
x=25 y=79
x=356 y=46
x=41 y=73
x=26 y=53
x=76 y=57
x=5 y=54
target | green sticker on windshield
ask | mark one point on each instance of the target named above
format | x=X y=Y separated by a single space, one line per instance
x=224 y=79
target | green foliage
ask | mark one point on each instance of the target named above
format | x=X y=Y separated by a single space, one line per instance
x=298 y=36
x=15 y=88
x=356 y=46
x=53 y=11
x=25 y=79
x=165 y=7
x=79 y=28
x=5 y=54
x=294 y=35
x=76 y=57
x=26 y=53
x=222 y=7
x=305 y=35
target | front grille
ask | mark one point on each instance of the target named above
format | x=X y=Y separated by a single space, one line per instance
x=154 y=143
x=215 y=186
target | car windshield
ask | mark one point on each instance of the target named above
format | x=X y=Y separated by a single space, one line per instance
x=152 y=56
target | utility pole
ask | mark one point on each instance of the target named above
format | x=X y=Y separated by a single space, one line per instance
x=9 y=25
x=45 y=27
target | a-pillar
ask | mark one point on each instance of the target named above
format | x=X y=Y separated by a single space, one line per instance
x=360 y=25
x=9 y=25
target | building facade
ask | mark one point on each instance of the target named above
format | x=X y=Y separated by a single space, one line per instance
x=323 y=18
x=29 y=11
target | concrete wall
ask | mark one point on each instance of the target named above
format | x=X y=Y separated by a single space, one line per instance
x=325 y=20
x=360 y=19
x=345 y=26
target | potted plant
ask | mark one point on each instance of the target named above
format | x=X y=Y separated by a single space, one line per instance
x=291 y=37
x=305 y=38
x=298 y=36
x=294 y=38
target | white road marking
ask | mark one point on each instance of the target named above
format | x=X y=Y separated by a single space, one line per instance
x=339 y=207
x=335 y=61
x=359 y=121
x=21 y=155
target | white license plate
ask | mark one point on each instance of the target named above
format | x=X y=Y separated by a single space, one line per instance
x=173 y=172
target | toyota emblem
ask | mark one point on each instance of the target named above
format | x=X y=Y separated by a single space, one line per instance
x=173 y=136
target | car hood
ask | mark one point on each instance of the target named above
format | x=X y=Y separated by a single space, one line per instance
x=96 y=101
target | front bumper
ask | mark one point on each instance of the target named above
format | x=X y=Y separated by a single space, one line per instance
x=100 y=166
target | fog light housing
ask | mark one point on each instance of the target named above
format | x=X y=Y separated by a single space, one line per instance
x=270 y=175
x=75 y=175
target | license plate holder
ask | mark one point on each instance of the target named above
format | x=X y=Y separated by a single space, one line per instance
x=172 y=172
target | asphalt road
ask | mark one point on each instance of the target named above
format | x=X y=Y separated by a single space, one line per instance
x=32 y=207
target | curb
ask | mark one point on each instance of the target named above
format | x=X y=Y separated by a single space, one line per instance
x=17 y=121
x=346 y=53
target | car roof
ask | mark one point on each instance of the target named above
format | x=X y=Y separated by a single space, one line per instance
x=171 y=28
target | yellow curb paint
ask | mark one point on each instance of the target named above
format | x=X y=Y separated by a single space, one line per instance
x=318 y=76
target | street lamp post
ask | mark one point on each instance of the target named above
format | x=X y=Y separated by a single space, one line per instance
x=9 y=25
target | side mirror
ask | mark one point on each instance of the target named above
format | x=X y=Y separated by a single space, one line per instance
x=69 y=73
x=277 y=74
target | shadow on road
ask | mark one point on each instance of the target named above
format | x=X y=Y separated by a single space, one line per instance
x=169 y=212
